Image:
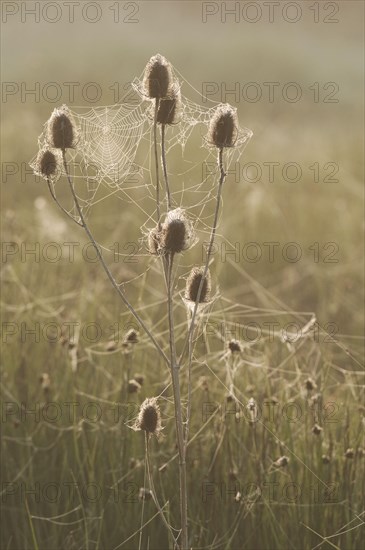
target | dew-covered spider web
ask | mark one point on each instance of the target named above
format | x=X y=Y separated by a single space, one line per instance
x=114 y=150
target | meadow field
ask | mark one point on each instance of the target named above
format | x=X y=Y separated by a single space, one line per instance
x=275 y=452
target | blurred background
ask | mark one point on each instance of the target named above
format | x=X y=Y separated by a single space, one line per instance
x=297 y=71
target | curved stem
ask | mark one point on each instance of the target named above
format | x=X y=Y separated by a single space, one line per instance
x=53 y=195
x=106 y=269
x=164 y=165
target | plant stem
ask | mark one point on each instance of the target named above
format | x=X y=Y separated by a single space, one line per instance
x=209 y=253
x=157 y=101
x=106 y=269
x=189 y=340
x=178 y=408
x=154 y=494
x=163 y=154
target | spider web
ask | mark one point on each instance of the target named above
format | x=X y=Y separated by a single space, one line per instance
x=115 y=145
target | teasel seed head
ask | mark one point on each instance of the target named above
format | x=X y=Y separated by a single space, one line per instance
x=349 y=453
x=281 y=462
x=234 y=346
x=153 y=242
x=223 y=127
x=193 y=284
x=133 y=386
x=48 y=164
x=317 y=429
x=139 y=378
x=169 y=109
x=149 y=417
x=158 y=78
x=310 y=384
x=61 y=130
x=177 y=233
x=144 y=494
x=131 y=337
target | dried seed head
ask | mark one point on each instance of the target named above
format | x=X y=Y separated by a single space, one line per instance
x=144 y=494
x=139 y=378
x=203 y=383
x=317 y=429
x=131 y=336
x=153 y=242
x=325 y=459
x=223 y=127
x=158 y=78
x=61 y=130
x=193 y=284
x=47 y=164
x=281 y=462
x=169 y=109
x=177 y=233
x=133 y=386
x=350 y=453
x=111 y=346
x=149 y=417
x=234 y=346
x=45 y=381
x=310 y=384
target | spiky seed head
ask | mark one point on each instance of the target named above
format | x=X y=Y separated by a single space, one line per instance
x=111 y=345
x=144 y=494
x=234 y=346
x=133 y=386
x=317 y=429
x=223 y=127
x=281 y=462
x=158 y=78
x=326 y=459
x=153 y=242
x=193 y=284
x=169 y=109
x=61 y=130
x=149 y=417
x=310 y=384
x=48 y=163
x=139 y=378
x=349 y=453
x=131 y=336
x=45 y=381
x=177 y=233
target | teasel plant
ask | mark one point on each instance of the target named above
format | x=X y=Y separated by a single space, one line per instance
x=171 y=236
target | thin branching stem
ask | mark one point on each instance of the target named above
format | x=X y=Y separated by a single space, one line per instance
x=60 y=205
x=164 y=165
x=106 y=268
x=178 y=408
x=222 y=177
x=189 y=340
x=153 y=491
x=158 y=214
